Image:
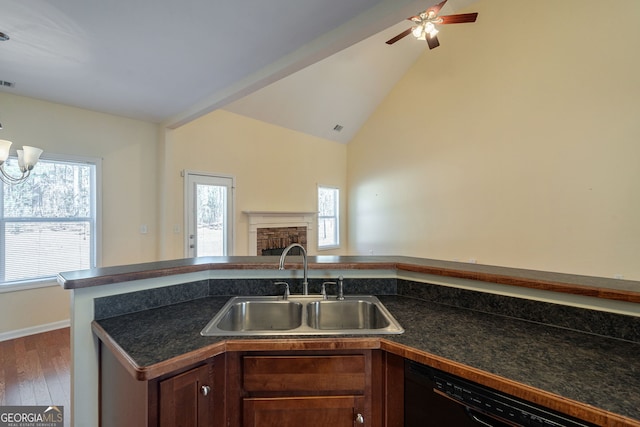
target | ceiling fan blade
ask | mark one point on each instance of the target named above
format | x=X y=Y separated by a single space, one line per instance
x=433 y=42
x=436 y=8
x=402 y=35
x=459 y=19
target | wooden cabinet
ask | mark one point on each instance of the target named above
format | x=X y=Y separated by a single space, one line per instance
x=189 y=398
x=186 y=400
x=302 y=388
x=334 y=388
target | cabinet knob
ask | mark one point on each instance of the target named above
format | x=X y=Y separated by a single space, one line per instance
x=205 y=389
x=359 y=419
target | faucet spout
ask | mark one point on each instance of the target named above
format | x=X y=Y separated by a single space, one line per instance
x=305 y=282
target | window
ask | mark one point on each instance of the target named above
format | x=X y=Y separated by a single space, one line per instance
x=328 y=218
x=48 y=223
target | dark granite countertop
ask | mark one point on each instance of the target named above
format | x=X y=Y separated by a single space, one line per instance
x=590 y=369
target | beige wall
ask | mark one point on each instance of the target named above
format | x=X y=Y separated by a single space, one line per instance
x=275 y=169
x=527 y=156
x=516 y=142
x=128 y=152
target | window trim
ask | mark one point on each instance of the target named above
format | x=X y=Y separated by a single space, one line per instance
x=337 y=217
x=96 y=211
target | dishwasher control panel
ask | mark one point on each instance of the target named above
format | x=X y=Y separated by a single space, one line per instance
x=504 y=407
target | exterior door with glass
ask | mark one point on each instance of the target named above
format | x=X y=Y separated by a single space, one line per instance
x=208 y=214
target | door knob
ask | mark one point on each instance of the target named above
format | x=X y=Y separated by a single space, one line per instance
x=359 y=419
x=205 y=389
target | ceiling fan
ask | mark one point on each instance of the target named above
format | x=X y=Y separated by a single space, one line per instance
x=425 y=28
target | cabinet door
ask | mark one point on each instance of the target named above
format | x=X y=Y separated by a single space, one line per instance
x=186 y=400
x=317 y=411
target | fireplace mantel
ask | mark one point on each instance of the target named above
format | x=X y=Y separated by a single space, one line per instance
x=274 y=219
x=277 y=213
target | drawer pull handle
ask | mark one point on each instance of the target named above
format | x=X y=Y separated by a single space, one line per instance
x=205 y=389
x=359 y=419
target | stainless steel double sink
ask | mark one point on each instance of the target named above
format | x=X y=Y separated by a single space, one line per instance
x=302 y=315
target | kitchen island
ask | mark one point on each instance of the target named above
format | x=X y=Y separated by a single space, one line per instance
x=491 y=332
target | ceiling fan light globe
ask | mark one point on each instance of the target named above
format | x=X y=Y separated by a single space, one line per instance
x=417 y=31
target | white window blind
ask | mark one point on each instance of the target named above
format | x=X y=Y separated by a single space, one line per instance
x=48 y=223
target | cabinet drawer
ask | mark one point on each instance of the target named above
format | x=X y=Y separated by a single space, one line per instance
x=319 y=411
x=304 y=373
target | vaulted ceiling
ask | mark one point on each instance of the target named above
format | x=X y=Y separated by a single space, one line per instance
x=170 y=62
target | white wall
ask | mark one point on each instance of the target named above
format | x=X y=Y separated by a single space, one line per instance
x=516 y=143
x=128 y=152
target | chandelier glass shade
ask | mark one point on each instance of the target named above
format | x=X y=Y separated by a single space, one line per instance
x=27 y=159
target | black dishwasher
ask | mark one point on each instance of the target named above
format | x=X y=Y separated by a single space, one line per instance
x=435 y=398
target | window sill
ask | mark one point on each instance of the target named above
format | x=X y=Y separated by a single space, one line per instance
x=26 y=285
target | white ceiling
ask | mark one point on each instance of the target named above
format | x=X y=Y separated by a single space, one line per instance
x=170 y=62
x=342 y=89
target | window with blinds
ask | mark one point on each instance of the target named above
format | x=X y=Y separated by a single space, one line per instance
x=48 y=223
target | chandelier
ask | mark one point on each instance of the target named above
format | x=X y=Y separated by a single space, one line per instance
x=27 y=159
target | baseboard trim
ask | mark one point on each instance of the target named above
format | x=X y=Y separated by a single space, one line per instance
x=19 y=333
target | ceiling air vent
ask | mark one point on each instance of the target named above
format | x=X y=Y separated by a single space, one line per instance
x=338 y=128
x=5 y=83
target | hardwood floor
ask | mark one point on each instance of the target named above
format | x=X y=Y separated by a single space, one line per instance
x=35 y=370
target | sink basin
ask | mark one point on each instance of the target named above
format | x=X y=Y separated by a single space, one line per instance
x=302 y=315
x=347 y=314
x=261 y=315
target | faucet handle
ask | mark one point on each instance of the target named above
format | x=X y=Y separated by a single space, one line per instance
x=324 y=289
x=286 y=289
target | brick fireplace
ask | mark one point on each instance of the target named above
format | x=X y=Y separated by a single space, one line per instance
x=270 y=232
x=272 y=241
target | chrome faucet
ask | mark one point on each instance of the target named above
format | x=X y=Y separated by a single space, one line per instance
x=305 y=282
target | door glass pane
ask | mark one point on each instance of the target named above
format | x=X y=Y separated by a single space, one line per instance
x=211 y=208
